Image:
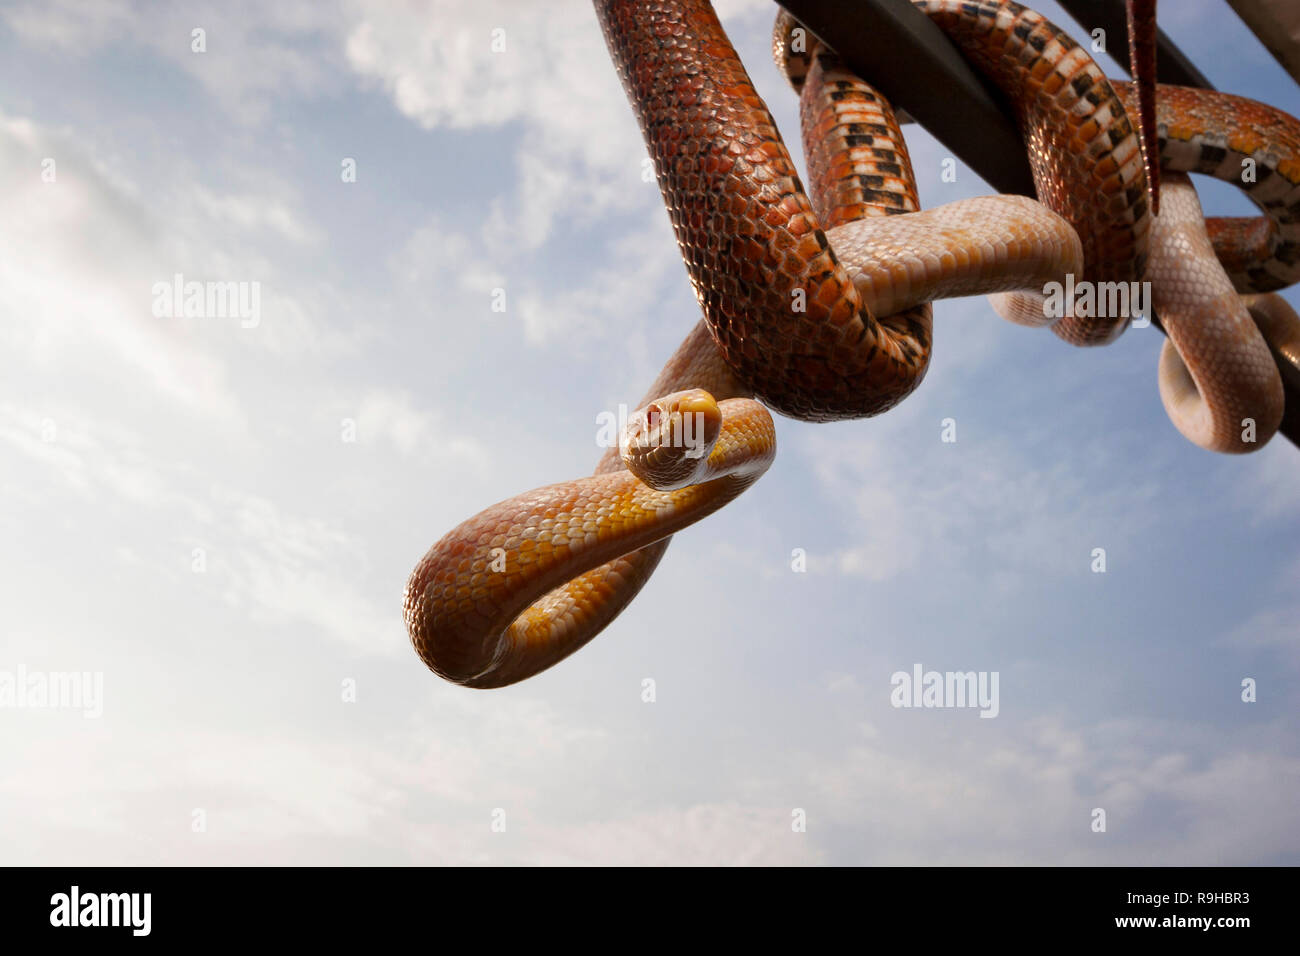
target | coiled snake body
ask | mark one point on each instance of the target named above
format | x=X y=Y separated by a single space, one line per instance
x=818 y=305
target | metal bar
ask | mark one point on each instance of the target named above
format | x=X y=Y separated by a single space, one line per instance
x=1172 y=64
x=903 y=54
x=1277 y=25
x=910 y=60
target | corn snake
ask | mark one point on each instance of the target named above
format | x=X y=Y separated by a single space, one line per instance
x=867 y=262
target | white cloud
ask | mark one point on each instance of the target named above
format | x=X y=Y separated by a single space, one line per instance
x=77 y=260
x=701 y=835
x=1267 y=492
x=579 y=155
x=438 y=255
x=1027 y=795
x=416 y=433
x=1273 y=625
x=973 y=503
x=80 y=257
x=579 y=151
x=95 y=459
x=428 y=790
x=272 y=562
x=255 y=53
x=256 y=212
x=69 y=27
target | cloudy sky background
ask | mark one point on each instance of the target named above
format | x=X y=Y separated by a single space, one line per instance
x=129 y=441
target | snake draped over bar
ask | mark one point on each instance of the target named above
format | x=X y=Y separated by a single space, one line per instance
x=817 y=303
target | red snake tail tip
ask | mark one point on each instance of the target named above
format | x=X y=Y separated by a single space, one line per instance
x=1142 y=65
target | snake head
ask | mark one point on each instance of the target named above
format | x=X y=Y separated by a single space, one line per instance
x=667 y=442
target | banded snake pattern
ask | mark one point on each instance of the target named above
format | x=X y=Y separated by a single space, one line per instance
x=531 y=579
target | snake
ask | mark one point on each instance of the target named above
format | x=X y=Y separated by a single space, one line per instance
x=817 y=303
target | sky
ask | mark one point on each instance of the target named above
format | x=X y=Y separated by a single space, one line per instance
x=214 y=516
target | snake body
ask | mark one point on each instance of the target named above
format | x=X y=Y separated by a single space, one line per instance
x=486 y=626
x=818 y=305
x=1216 y=372
x=1084 y=152
x=780 y=302
x=1256 y=148
x=1217 y=378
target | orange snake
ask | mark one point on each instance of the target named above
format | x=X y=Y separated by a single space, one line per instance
x=818 y=307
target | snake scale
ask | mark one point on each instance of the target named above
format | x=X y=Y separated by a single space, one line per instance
x=817 y=304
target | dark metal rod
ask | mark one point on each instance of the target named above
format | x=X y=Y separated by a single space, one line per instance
x=902 y=53
x=1276 y=27
x=1172 y=64
x=898 y=50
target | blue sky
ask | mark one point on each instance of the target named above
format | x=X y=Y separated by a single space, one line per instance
x=185 y=517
